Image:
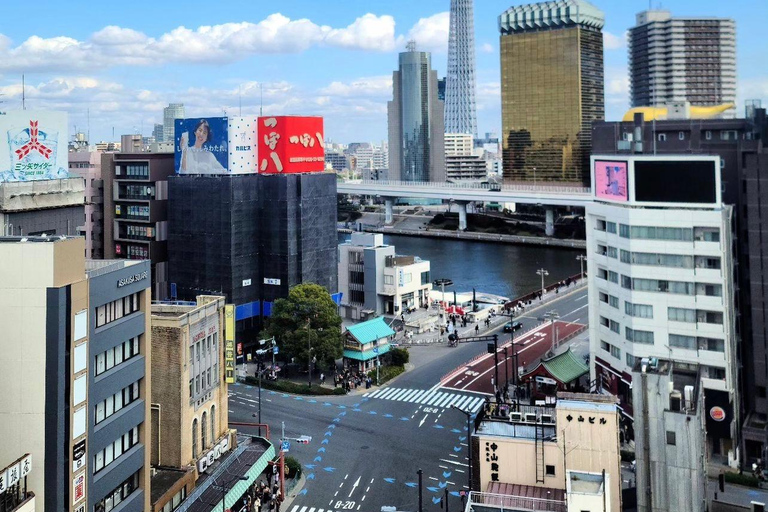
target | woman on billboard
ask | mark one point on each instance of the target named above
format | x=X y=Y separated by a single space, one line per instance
x=199 y=159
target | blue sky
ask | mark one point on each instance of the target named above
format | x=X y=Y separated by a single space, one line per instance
x=330 y=58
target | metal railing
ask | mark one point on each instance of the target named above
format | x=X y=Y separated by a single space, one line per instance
x=475 y=186
x=510 y=503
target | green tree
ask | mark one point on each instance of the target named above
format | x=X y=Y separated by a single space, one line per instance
x=307 y=318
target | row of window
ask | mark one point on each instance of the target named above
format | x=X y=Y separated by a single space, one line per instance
x=117 y=309
x=696 y=343
x=174 y=503
x=694 y=316
x=117 y=355
x=669 y=260
x=638 y=310
x=119 y=494
x=661 y=285
x=204 y=431
x=613 y=350
x=116 y=449
x=699 y=234
x=116 y=402
x=206 y=380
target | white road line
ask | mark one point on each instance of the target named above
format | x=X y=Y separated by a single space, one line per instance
x=575 y=310
x=365 y=395
x=441 y=466
x=447 y=398
x=295 y=508
x=454 y=462
x=475 y=405
x=453 y=400
x=407 y=397
x=354 y=486
x=582 y=297
x=345 y=476
x=303 y=509
x=371 y=482
x=433 y=478
x=438 y=396
x=452 y=483
x=462 y=400
x=460 y=470
x=388 y=392
x=463 y=444
x=452 y=455
x=417 y=396
x=375 y=393
x=427 y=396
x=423 y=420
x=399 y=395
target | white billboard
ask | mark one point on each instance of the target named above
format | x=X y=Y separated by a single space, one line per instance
x=33 y=145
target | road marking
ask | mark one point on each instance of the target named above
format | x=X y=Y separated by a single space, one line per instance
x=575 y=310
x=452 y=455
x=582 y=297
x=463 y=444
x=303 y=509
x=454 y=462
x=423 y=420
x=452 y=483
x=460 y=470
x=410 y=394
x=433 y=478
x=345 y=476
x=354 y=486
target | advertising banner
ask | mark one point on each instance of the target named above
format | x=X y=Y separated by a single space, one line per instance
x=291 y=144
x=611 y=180
x=201 y=146
x=242 y=145
x=33 y=146
x=719 y=413
x=229 y=344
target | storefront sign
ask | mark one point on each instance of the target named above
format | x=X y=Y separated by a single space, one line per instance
x=132 y=279
x=717 y=413
x=229 y=344
x=490 y=456
x=78 y=488
x=78 y=455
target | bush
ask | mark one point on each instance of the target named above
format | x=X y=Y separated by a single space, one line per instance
x=293 y=466
x=399 y=356
x=741 y=479
x=387 y=373
x=287 y=386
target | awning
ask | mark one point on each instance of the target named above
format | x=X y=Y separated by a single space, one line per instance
x=367 y=355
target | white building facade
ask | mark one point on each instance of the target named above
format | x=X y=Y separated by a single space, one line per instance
x=661 y=277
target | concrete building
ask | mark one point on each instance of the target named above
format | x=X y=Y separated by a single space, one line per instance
x=661 y=276
x=189 y=395
x=87 y=164
x=157 y=133
x=133 y=143
x=15 y=495
x=682 y=59
x=375 y=281
x=415 y=119
x=337 y=161
x=551 y=90
x=557 y=459
x=136 y=211
x=460 y=107
x=670 y=444
x=170 y=113
x=458 y=144
x=51 y=207
x=82 y=417
x=740 y=143
x=465 y=167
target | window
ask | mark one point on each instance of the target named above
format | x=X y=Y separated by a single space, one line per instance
x=708 y=262
x=659 y=233
x=204 y=431
x=119 y=494
x=681 y=315
x=711 y=344
x=117 y=355
x=111 y=311
x=662 y=286
x=630 y=359
x=708 y=135
x=615 y=327
x=603 y=297
x=550 y=470
x=626 y=282
x=626 y=257
x=623 y=231
x=602 y=273
x=116 y=402
x=601 y=250
x=389 y=279
x=709 y=317
x=671 y=438
x=680 y=135
x=600 y=224
x=114 y=450
x=605 y=345
x=613 y=301
x=194 y=438
x=662 y=137
x=714 y=372
x=638 y=310
x=680 y=341
x=644 y=337
x=604 y=321
x=612 y=252
x=191 y=394
x=707 y=234
x=610 y=227
x=615 y=352
x=613 y=276
x=425 y=278
x=213 y=423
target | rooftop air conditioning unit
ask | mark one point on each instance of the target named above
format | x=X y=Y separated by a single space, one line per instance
x=516 y=417
x=530 y=418
x=548 y=419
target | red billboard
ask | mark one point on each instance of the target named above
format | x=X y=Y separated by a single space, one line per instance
x=290 y=144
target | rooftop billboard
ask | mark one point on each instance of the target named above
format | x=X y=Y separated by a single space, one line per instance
x=611 y=180
x=33 y=146
x=201 y=146
x=291 y=144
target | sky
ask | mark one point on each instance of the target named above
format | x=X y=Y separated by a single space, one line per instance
x=118 y=68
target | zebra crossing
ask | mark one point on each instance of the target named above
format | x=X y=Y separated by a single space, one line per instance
x=298 y=508
x=428 y=397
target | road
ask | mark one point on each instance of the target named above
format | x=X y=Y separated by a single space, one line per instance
x=366 y=448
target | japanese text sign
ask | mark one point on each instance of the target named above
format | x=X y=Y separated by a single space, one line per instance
x=290 y=144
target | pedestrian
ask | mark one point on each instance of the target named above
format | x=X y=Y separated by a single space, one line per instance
x=322 y=378
x=477 y=329
x=402 y=317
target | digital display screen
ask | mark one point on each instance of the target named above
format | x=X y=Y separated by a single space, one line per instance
x=675 y=181
x=611 y=180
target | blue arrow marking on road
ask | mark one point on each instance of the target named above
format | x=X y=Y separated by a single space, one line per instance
x=336 y=420
x=321 y=449
x=388 y=416
x=462 y=438
x=313 y=401
x=446 y=474
x=389 y=480
x=411 y=484
x=342 y=407
x=356 y=405
x=329 y=469
x=331 y=426
x=443 y=485
x=311 y=476
x=456 y=431
x=438 y=426
x=371 y=412
x=303 y=491
x=365 y=399
x=298 y=398
x=357 y=410
x=435 y=501
x=405 y=418
x=317 y=459
x=454 y=493
x=327 y=404
x=433 y=489
x=310 y=466
x=328 y=434
x=343 y=413
x=325 y=441
x=457 y=449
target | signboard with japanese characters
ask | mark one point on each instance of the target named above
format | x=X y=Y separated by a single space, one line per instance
x=78 y=488
x=229 y=344
x=33 y=146
x=291 y=144
x=216 y=145
x=12 y=474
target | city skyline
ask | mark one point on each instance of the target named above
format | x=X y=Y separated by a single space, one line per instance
x=217 y=61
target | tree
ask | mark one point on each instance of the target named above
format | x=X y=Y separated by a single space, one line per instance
x=307 y=318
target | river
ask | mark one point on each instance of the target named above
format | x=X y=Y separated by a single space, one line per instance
x=500 y=269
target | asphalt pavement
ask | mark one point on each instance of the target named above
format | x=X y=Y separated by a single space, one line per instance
x=365 y=451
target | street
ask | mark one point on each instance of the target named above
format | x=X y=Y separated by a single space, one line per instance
x=366 y=448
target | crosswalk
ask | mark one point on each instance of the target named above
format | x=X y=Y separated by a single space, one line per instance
x=298 y=508
x=430 y=398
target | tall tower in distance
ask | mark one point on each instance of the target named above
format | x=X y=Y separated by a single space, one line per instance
x=682 y=59
x=170 y=113
x=415 y=120
x=551 y=90
x=460 y=110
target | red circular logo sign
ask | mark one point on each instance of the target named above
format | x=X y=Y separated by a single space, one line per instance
x=717 y=413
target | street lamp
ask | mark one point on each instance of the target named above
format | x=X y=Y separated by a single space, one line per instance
x=442 y=283
x=552 y=316
x=542 y=272
x=260 y=353
x=581 y=259
x=469 y=443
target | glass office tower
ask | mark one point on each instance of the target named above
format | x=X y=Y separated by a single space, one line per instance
x=551 y=90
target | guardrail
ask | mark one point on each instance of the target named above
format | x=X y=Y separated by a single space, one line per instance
x=475 y=186
x=508 y=502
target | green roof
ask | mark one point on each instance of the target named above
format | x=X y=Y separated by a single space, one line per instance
x=565 y=367
x=370 y=331
x=368 y=354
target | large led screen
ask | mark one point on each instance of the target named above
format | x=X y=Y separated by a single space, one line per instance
x=611 y=180
x=675 y=181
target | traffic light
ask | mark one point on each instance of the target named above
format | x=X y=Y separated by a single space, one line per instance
x=491 y=348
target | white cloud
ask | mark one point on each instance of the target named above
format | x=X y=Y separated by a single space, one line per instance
x=378 y=86
x=488 y=95
x=614 y=42
x=486 y=48
x=430 y=34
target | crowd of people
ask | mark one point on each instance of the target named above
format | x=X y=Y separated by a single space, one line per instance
x=263 y=498
x=349 y=380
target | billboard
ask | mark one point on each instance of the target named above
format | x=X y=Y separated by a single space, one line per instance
x=201 y=146
x=611 y=180
x=676 y=181
x=291 y=144
x=33 y=146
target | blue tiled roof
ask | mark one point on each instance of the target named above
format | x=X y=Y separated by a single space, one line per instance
x=371 y=330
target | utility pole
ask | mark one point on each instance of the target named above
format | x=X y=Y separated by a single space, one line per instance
x=420 y=473
x=506 y=370
x=581 y=259
x=552 y=316
x=542 y=272
x=496 y=359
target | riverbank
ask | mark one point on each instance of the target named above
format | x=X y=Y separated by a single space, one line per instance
x=481 y=237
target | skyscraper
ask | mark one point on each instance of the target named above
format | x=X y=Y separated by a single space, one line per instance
x=682 y=59
x=551 y=89
x=158 y=134
x=416 y=121
x=460 y=113
x=170 y=113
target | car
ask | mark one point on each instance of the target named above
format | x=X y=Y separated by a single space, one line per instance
x=512 y=326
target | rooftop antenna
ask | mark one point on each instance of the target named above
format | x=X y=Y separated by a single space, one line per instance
x=411 y=46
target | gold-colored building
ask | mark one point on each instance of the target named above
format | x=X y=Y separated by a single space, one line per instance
x=551 y=90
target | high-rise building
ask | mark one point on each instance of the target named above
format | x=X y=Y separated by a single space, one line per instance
x=460 y=109
x=88 y=165
x=132 y=143
x=85 y=331
x=170 y=113
x=416 y=120
x=682 y=59
x=740 y=144
x=551 y=89
x=158 y=134
x=461 y=163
